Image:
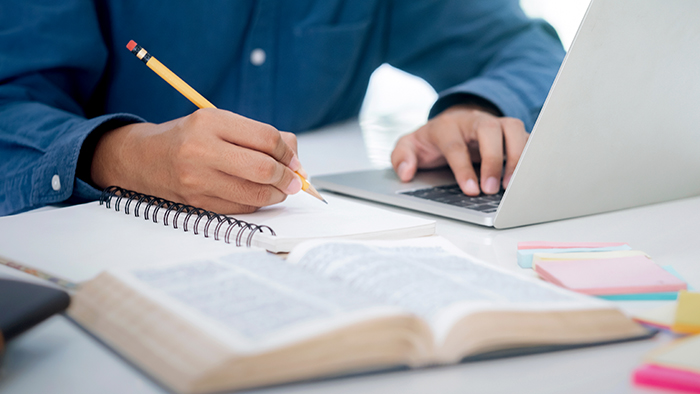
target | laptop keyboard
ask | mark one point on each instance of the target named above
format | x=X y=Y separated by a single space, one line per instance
x=452 y=195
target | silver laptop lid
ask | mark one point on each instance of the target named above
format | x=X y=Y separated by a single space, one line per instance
x=621 y=125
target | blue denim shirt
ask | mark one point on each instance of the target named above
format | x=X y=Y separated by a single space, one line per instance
x=65 y=73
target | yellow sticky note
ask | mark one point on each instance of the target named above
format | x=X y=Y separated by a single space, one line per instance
x=687 y=313
x=537 y=257
x=680 y=354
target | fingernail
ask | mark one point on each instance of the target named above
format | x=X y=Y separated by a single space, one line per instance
x=506 y=181
x=491 y=185
x=294 y=164
x=471 y=187
x=403 y=171
x=294 y=186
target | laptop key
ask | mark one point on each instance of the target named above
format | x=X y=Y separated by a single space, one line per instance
x=452 y=195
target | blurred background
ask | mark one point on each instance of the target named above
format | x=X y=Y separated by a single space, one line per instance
x=397 y=103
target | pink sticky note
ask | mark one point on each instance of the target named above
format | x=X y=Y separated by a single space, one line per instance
x=668 y=378
x=566 y=245
x=622 y=275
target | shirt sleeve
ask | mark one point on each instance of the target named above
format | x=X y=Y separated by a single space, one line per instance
x=477 y=50
x=52 y=60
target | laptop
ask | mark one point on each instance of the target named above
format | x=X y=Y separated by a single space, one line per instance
x=620 y=128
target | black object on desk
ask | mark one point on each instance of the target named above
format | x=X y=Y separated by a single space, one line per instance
x=23 y=305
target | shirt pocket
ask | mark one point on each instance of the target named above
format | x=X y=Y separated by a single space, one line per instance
x=327 y=61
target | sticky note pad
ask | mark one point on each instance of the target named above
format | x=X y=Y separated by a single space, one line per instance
x=624 y=275
x=537 y=257
x=659 y=317
x=659 y=296
x=566 y=245
x=687 y=314
x=680 y=354
x=525 y=255
x=667 y=378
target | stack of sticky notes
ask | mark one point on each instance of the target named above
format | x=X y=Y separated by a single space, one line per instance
x=676 y=366
x=608 y=270
x=527 y=250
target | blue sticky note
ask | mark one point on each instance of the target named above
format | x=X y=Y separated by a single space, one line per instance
x=525 y=255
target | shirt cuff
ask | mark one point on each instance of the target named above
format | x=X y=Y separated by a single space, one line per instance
x=54 y=179
x=485 y=91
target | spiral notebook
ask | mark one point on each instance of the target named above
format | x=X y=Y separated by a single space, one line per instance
x=128 y=229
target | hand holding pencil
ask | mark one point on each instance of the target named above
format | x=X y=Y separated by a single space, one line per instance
x=196 y=98
x=212 y=158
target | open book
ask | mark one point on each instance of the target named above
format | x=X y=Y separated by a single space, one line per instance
x=334 y=307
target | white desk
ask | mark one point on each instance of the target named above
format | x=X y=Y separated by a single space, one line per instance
x=59 y=357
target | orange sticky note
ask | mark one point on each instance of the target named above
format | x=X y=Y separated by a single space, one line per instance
x=687 y=313
x=623 y=275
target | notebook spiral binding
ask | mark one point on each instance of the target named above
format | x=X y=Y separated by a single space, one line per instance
x=240 y=227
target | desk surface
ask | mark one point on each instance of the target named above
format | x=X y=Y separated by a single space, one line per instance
x=59 y=357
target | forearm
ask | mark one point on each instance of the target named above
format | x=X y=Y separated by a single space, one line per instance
x=516 y=81
x=486 y=53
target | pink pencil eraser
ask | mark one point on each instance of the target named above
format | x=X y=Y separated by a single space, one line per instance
x=130 y=46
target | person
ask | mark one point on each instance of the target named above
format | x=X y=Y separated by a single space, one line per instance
x=78 y=112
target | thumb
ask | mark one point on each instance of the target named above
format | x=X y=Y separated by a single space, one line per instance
x=403 y=158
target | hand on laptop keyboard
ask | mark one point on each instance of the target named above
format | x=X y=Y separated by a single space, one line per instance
x=460 y=136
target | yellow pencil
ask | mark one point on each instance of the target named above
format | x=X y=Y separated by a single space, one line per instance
x=192 y=95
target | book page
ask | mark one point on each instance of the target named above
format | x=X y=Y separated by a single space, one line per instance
x=430 y=278
x=257 y=300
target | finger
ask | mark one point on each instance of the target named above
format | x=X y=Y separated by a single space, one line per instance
x=242 y=131
x=291 y=140
x=450 y=141
x=242 y=191
x=267 y=139
x=225 y=207
x=403 y=158
x=255 y=167
x=515 y=139
x=490 y=137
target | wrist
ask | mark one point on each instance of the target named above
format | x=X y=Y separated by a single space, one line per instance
x=113 y=156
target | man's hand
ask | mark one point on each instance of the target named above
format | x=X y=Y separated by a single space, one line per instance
x=459 y=136
x=212 y=159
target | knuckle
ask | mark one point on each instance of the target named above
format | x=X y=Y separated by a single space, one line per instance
x=266 y=170
x=271 y=138
x=263 y=196
x=514 y=123
x=199 y=116
x=491 y=157
x=187 y=179
x=453 y=147
x=489 y=123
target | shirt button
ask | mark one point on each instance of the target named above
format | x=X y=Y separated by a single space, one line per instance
x=257 y=57
x=56 y=183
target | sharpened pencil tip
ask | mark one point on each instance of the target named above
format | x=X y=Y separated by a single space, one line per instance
x=312 y=190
